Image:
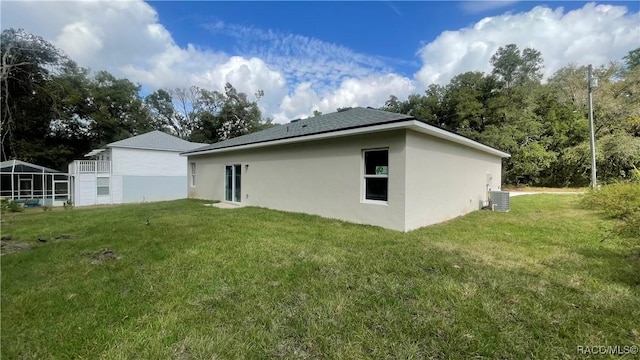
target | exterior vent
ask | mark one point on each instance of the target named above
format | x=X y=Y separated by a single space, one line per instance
x=499 y=200
x=344 y=109
x=295 y=120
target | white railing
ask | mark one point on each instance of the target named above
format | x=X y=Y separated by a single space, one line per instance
x=90 y=167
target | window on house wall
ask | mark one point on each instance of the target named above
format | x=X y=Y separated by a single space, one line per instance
x=376 y=174
x=103 y=185
x=193 y=174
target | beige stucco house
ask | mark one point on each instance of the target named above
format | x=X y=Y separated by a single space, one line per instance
x=359 y=164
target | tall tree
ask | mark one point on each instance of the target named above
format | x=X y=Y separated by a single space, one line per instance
x=160 y=106
x=117 y=110
x=226 y=115
x=632 y=59
x=465 y=102
x=616 y=103
x=513 y=67
x=28 y=63
x=427 y=107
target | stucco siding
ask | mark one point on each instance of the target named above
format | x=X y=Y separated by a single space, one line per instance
x=142 y=162
x=153 y=188
x=323 y=177
x=445 y=180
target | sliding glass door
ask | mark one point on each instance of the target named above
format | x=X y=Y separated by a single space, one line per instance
x=232 y=183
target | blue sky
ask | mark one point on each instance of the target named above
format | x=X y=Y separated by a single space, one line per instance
x=389 y=31
x=321 y=55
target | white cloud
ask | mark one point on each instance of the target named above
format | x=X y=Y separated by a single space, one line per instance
x=301 y=58
x=126 y=38
x=368 y=91
x=81 y=40
x=300 y=74
x=321 y=76
x=593 y=34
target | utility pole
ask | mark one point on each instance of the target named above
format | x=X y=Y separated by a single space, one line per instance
x=592 y=83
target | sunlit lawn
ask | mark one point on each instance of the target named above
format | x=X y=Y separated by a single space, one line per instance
x=206 y=283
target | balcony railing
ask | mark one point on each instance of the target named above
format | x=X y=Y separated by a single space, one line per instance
x=90 y=167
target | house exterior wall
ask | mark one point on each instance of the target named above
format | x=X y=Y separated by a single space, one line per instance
x=84 y=189
x=137 y=175
x=143 y=175
x=323 y=177
x=143 y=162
x=116 y=189
x=153 y=188
x=445 y=180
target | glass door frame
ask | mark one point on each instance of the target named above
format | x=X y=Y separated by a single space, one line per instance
x=233 y=188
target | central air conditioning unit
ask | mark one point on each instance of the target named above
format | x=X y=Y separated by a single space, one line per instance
x=499 y=200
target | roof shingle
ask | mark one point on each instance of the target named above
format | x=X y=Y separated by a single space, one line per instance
x=341 y=120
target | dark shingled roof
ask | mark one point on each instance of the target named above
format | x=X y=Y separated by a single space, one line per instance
x=341 y=120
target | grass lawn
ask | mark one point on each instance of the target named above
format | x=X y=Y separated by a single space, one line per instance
x=206 y=283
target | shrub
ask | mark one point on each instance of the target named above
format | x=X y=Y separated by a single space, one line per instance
x=68 y=205
x=635 y=175
x=14 y=207
x=619 y=201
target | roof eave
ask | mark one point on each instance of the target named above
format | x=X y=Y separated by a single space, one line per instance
x=411 y=124
x=145 y=148
x=447 y=135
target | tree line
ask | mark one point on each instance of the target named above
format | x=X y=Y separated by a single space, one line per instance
x=544 y=126
x=54 y=111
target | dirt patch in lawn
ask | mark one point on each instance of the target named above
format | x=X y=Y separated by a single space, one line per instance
x=9 y=245
x=101 y=256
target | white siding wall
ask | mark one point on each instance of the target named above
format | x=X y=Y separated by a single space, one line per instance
x=140 y=162
x=321 y=177
x=152 y=175
x=141 y=175
x=153 y=188
x=116 y=189
x=445 y=180
x=85 y=189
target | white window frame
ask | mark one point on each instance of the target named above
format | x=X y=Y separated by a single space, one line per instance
x=366 y=176
x=108 y=186
x=28 y=180
x=193 y=173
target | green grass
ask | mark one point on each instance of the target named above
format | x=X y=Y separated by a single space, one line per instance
x=206 y=283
